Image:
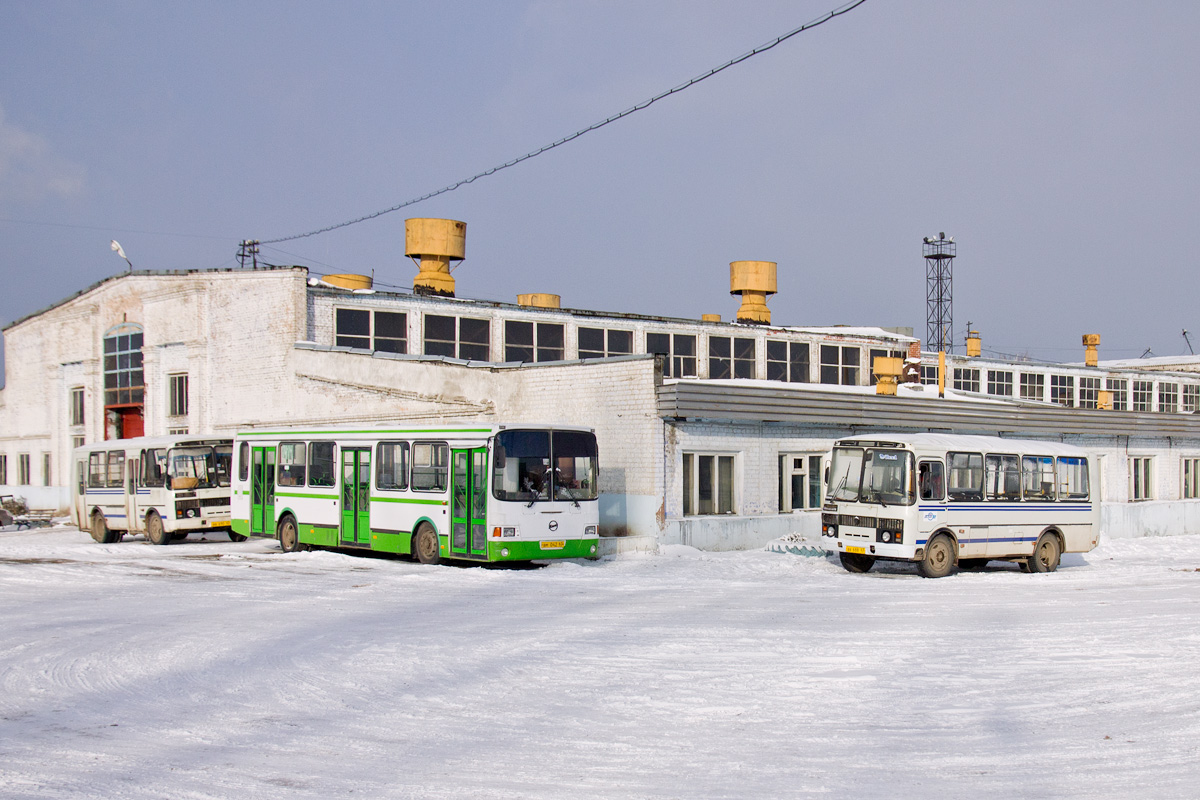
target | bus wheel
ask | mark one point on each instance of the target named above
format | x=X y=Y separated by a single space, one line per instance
x=426 y=546
x=236 y=537
x=853 y=562
x=100 y=531
x=155 y=532
x=1045 y=554
x=939 y=558
x=289 y=535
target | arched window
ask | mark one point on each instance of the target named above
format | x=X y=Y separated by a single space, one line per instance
x=124 y=382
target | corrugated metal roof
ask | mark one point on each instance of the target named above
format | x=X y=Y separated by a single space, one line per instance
x=805 y=405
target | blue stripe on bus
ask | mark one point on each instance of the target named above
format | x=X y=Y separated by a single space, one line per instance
x=1013 y=507
x=986 y=541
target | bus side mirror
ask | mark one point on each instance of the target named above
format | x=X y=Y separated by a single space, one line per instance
x=827 y=476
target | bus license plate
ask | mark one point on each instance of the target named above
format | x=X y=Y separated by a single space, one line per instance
x=555 y=545
x=859 y=550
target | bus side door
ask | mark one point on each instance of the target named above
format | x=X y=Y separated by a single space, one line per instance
x=468 y=503
x=356 y=496
x=262 y=491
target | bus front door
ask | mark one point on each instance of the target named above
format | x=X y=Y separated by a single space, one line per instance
x=356 y=496
x=468 y=502
x=262 y=491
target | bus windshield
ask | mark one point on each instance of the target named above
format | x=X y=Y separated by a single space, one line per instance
x=192 y=468
x=539 y=465
x=883 y=476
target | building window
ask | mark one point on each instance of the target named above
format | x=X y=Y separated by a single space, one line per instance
x=1062 y=390
x=3 y=469
x=177 y=391
x=76 y=442
x=730 y=358
x=601 y=343
x=839 y=365
x=1143 y=395
x=966 y=380
x=1120 y=393
x=799 y=482
x=787 y=361
x=1191 y=398
x=1000 y=383
x=465 y=338
x=1191 y=478
x=1089 y=392
x=1168 y=398
x=929 y=374
x=22 y=469
x=520 y=343
x=77 y=416
x=124 y=381
x=385 y=331
x=874 y=354
x=1033 y=386
x=707 y=484
x=1141 y=478
x=45 y=469
x=177 y=431
x=680 y=350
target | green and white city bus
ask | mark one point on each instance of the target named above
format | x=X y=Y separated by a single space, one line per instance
x=478 y=492
x=942 y=500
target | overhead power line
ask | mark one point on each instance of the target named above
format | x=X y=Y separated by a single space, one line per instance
x=837 y=12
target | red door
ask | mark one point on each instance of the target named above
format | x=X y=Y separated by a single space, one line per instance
x=132 y=423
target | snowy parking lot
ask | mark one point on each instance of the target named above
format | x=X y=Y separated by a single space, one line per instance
x=222 y=670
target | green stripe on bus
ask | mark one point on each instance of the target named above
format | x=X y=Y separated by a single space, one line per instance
x=334 y=434
x=299 y=494
x=413 y=500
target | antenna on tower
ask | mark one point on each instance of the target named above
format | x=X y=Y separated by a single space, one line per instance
x=248 y=251
x=939 y=292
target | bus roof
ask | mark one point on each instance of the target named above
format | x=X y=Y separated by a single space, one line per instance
x=402 y=428
x=950 y=441
x=148 y=442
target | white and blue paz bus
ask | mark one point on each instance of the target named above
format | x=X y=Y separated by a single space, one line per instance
x=944 y=500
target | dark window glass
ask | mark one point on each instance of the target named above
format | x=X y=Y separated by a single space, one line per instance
x=429 y=466
x=391 y=332
x=391 y=461
x=684 y=359
x=549 y=342
x=320 y=464
x=658 y=343
x=244 y=461
x=798 y=371
x=591 y=343
x=777 y=361
x=440 y=335
x=474 y=336
x=743 y=358
x=829 y=364
x=720 y=365
x=620 y=343
x=353 y=328
x=518 y=341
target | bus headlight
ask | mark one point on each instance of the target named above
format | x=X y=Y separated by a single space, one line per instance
x=590 y=530
x=829 y=525
x=890 y=531
x=504 y=552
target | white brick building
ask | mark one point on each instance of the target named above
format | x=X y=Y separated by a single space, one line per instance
x=710 y=432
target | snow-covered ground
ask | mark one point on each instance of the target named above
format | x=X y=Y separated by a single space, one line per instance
x=222 y=670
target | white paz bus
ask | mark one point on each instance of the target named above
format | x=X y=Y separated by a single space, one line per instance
x=165 y=487
x=475 y=492
x=943 y=500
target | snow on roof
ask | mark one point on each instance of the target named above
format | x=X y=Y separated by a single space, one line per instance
x=848 y=330
x=1153 y=362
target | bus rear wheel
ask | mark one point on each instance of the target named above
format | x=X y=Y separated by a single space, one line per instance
x=853 y=562
x=100 y=531
x=289 y=535
x=236 y=537
x=155 y=532
x=939 y=558
x=426 y=546
x=1045 y=554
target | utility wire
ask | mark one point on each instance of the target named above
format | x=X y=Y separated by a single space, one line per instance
x=837 y=12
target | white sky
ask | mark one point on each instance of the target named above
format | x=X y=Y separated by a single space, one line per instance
x=1054 y=141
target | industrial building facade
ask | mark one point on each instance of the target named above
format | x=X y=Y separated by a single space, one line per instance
x=711 y=433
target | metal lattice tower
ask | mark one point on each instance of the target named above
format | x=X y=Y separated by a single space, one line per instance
x=939 y=293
